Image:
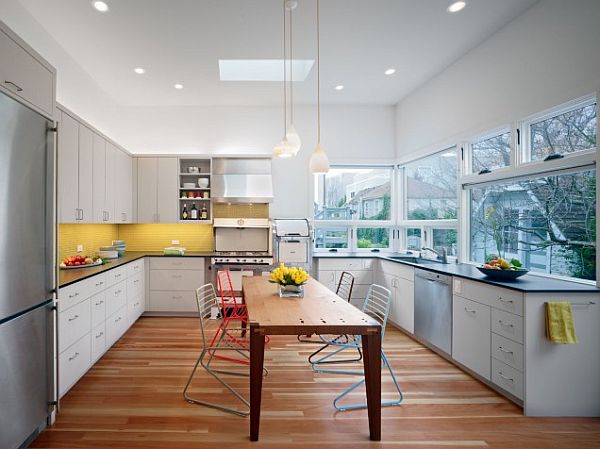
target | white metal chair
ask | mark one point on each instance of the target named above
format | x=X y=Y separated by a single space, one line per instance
x=206 y=298
x=376 y=305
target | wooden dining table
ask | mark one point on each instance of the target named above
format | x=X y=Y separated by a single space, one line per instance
x=321 y=312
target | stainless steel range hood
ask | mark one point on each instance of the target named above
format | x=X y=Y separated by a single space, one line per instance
x=242 y=180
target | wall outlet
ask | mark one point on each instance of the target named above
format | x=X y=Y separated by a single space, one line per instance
x=174 y=242
x=79 y=248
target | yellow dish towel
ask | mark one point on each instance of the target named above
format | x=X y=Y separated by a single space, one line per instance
x=560 y=327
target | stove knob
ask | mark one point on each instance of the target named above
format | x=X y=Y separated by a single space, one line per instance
x=256 y=260
x=243 y=260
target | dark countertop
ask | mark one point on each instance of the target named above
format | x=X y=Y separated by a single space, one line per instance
x=66 y=277
x=528 y=283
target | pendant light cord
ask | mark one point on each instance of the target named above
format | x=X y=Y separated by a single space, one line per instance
x=284 y=77
x=291 y=71
x=318 y=77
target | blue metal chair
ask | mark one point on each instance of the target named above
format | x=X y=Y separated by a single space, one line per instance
x=376 y=305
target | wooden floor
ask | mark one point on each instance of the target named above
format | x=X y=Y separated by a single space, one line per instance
x=132 y=399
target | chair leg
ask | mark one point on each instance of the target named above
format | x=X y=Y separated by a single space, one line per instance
x=324 y=361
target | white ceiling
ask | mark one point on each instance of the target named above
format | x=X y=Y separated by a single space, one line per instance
x=181 y=41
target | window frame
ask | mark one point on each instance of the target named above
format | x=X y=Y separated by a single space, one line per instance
x=467 y=148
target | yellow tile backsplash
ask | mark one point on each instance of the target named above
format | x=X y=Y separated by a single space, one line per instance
x=91 y=236
x=156 y=237
x=224 y=210
x=151 y=237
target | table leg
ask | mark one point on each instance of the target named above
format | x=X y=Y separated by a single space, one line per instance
x=372 y=362
x=257 y=357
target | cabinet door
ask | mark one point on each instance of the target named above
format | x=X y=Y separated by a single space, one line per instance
x=111 y=178
x=328 y=278
x=168 y=186
x=99 y=179
x=120 y=200
x=471 y=335
x=68 y=169
x=147 y=189
x=86 y=161
x=403 y=303
x=127 y=188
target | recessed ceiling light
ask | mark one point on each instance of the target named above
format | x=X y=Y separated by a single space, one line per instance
x=178 y=86
x=100 y=6
x=139 y=70
x=390 y=71
x=456 y=6
x=339 y=87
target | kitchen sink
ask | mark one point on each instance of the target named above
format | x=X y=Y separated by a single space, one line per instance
x=418 y=260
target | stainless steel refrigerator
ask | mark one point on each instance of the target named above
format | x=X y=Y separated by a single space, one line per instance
x=27 y=272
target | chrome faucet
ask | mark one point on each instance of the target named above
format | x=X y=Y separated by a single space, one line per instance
x=441 y=256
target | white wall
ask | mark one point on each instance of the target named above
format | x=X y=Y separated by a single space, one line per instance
x=548 y=55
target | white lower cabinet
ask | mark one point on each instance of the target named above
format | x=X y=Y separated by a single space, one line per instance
x=508 y=378
x=93 y=314
x=173 y=283
x=471 y=335
x=330 y=270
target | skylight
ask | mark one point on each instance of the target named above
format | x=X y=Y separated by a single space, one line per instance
x=262 y=69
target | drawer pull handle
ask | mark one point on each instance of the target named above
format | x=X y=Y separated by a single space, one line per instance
x=501 y=299
x=506 y=351
x=73 y=295
x=99 y=303
x=16 y=86
x=470 y=311
x=74 y=356
x=510 y=379
x=136 y=304
x=74 y=318
x=117 y=320
x=177 y=263
x=502 y=323
x=118 y=275
x=118 y=292
x=100 y=335
x=99 y=284
x=177 y=297
x=136 y=281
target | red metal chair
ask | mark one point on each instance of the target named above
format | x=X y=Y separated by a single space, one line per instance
x=232 y=310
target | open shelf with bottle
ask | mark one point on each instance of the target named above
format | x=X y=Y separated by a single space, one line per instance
x=195 y=205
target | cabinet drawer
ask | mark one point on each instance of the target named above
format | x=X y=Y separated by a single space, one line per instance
x=173 y=301
x=116 y=275
x=340 y=264
x=98 y=341
x=135 y=267
x=135 y=285
x=507 y=378
x=471 y=335
x=508 y=325
x=497 y=297
x=116 y=325
x=73 y=363
x=177 y=263
x=116 y=297
x=98 y=305
x=73 y=324
x=135 y=307
x=507 y=351
x=25 y=76
x=175 y=280
x=75 y=293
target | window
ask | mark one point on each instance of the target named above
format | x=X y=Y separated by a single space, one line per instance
x=431 y=184
x=332 y=237
x=413 y=239
x=490 y=153
x=349 y=193
x=547 y=222
x=373 y=238
x=568 y=131
x=445 y=239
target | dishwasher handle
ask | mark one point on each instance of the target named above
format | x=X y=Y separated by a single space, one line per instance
x=432 y=276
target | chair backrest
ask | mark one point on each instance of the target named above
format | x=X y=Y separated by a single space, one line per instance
x=206 y=298
x=345 y=286
x=226 y=291
x=377 y=305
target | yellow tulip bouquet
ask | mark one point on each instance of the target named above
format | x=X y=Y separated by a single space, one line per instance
x=290 y=280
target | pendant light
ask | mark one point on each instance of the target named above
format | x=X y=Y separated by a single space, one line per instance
x=292 y=135
x=319 y=162
x=284 y=149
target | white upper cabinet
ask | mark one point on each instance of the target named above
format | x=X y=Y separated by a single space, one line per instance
x=157 y=190
x=28 y=76
x=99 y=179
x=111 y=179
x=124 y=200
x=68 y=169
x=85 y=164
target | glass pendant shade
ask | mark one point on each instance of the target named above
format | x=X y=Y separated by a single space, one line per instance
x=319 y=162
x=293 y=139
x=284 y=149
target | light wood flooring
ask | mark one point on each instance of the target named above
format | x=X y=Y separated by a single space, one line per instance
x=131 y=399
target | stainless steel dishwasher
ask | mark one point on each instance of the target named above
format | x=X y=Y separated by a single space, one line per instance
x=433 y=309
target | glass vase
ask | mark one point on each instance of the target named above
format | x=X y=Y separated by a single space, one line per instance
x=291 y=291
